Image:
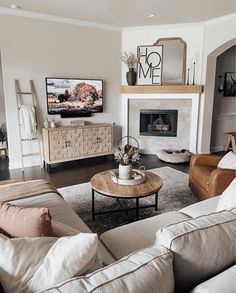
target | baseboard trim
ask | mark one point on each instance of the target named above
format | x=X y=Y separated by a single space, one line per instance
x=217 y=149
x=28 y=162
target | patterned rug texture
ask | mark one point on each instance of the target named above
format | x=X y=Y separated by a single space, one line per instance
x=174 y=195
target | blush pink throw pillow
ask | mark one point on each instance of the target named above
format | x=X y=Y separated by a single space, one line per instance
x=16 y=221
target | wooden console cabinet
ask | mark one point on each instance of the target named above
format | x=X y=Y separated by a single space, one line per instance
x=69 y=143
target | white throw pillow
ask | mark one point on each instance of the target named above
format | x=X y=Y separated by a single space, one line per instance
x=147 y=270
x=228 y=198
x=34 y=264
x=228 y=161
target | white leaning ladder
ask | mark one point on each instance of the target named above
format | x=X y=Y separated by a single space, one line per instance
x=19 y=99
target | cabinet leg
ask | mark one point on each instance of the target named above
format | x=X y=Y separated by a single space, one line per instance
x=156 y=201
x=93 y=205
x=137 y=209
x=49 y=168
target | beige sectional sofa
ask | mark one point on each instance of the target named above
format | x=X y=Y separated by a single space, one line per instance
x=193 y=249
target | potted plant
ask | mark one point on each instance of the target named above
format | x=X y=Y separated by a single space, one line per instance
x=125 y=156
x=130 y=60
x=3 y=136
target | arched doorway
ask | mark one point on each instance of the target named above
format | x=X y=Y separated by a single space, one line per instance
x=3 y=130
x=210 y=89
x=224 y=104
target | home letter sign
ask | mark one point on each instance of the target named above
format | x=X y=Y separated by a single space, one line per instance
x=149 y=65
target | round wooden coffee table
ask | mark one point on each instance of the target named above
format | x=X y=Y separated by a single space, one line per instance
x=103 y=184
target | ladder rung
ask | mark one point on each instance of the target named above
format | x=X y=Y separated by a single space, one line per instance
x=24 y=93
x=30 y=155
x=20 y=98
x=34 y=138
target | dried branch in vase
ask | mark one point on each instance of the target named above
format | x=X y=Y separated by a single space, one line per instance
x=129 y=59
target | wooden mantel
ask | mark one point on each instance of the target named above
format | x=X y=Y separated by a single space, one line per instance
x=156 y=89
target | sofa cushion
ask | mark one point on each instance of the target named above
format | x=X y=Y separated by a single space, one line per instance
x=202 y=247
x=60 y=229
x=228 y=198
x=33 y=264
x=233 y=210
x=137 y=235
x=223 y=282
x=60 y=211
x=21 y=221
x=228 y=161
x=201 y=208
x=149 y=270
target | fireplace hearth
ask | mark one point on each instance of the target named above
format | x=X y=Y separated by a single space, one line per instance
x=158 y=122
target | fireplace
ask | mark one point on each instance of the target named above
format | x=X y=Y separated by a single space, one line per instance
x=158 y=122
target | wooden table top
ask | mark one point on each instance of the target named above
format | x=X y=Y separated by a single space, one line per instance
x=231 y=133
x=102 y=183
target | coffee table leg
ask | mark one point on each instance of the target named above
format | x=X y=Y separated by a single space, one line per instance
x=93 y=205
x=137 y=209
x=156 y=201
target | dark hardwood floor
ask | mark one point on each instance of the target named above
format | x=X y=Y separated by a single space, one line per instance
x=75 y=172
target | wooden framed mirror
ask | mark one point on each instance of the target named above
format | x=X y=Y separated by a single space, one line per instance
x=174 y=60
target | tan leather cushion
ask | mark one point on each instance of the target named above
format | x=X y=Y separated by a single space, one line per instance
x=202 y=247
x=202 y=174
x=25 y=222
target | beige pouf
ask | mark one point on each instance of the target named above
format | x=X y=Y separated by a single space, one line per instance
x=174 y=156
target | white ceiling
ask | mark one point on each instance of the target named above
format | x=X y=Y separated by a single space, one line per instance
x=123 y=13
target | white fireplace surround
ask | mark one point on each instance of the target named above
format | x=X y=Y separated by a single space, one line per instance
x=194 y=97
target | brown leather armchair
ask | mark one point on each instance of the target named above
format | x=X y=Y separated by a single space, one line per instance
x=205 y=179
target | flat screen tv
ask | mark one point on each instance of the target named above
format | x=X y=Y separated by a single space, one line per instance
x=74 y=97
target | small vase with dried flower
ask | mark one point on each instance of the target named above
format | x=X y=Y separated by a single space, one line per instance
x=130 y=60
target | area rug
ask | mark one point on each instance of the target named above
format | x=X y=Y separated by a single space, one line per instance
x=174 y=195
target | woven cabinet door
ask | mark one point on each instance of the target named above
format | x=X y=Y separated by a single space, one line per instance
x=97 y=140
x=74 y=139
x=104 y=139
x=90 y=141
x=57 y=145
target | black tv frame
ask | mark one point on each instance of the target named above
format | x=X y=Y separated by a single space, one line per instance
x=82 y=113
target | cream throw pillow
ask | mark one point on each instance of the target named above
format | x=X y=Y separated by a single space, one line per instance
x=228 y=161
x=148 y=270
x=228 y=198
x=34 y=264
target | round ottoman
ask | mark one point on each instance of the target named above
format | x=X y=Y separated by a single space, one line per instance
x=174 y=156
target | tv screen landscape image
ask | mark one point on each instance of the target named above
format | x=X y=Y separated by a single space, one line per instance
x=73 y=97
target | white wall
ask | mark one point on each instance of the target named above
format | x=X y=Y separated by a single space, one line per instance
x=2 y=102
x=34 y=49
x=224 y=108
x=202 y=39
x=192 y=34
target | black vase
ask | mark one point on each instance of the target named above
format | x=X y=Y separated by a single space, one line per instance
x=131 y=76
